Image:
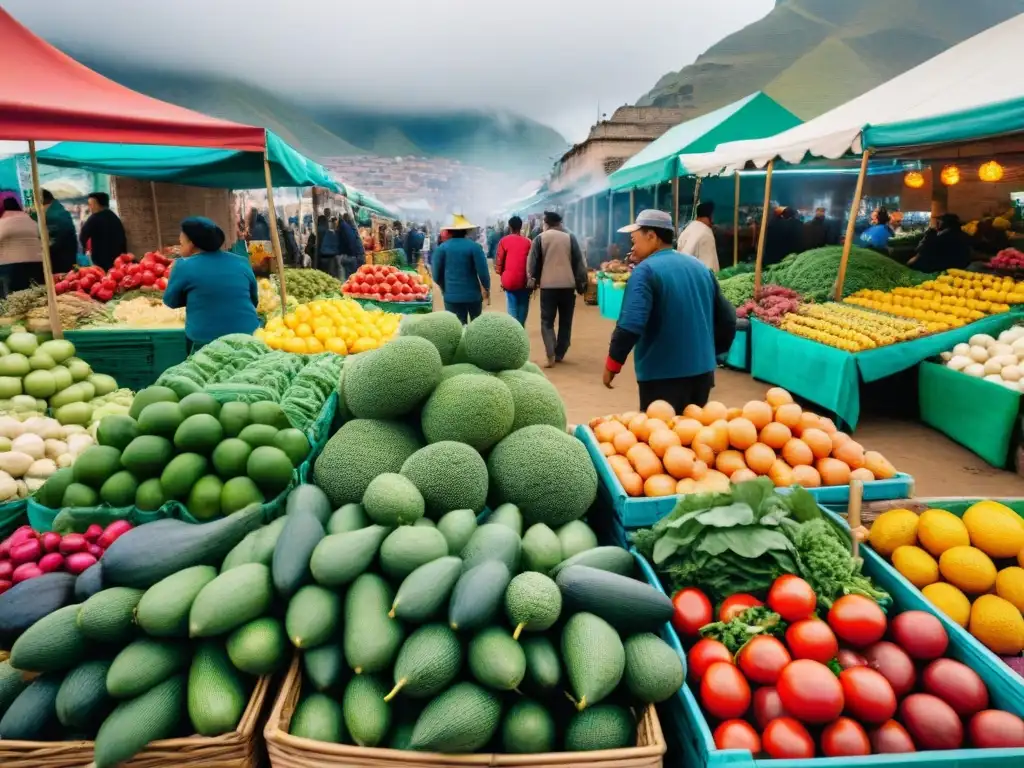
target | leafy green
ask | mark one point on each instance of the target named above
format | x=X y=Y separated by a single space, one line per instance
x=826 y=564
x=745 y=627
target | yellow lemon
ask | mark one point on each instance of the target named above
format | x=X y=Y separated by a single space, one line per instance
x=916 y=565
x=336 y=345
x=363 y=344
x=260 y=334
x=291 y=321
x=995 y=529
x=313 y=345
x=303 y=330
x=302 y=312
x=998 y=625
x=950 y=600
x=275 y=324
x=893 y=529
x=275 y=342
x=1010 y=586
x=939 y=530
x=968 y=569
x=295 y=345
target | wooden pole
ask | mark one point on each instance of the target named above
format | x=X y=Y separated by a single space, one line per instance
x=632 y=206
x=156 y=216
x=675 y=202
x=696 y=198
x=594 y=216
x=765 y=215
x=736 y=222
x=275 y=238
x=851 y=225
x=611 y=215
x=44 y=238
x=655 y=195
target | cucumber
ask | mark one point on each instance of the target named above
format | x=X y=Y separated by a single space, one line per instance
x=319 y=717
x=461 y=720
x=164 y=608
x=88 y=583
x=627 y=604
x=594 y=658
x=478 y=595
x=348 y=517
x=134 y=723
x=290 y=566
x=257 y=547
x=216 y=693
x=509 y=516
x=493 y=542
x=149 y=553
x=543 y=665
x=654 y=672
x=324 y=666
x=232 y=599
x=427 y=662
x=24 y=604
x=313 y=616
x=12 y=682
x=33 y=712
x=371 y=638
x=533 y=603
x=426 y=590
x=407 y=548
x=339 y=558
x=542 y=550
x=611 y=559
x=528 y=729
x=367 y=715
x=109 y=616
x=496 y=660
x=576 y=537
x=259 y=647
x=52 y=644
x=458 y=527
x=604 y=727
x=144 y=664
x=82 y=701
x=310 y=498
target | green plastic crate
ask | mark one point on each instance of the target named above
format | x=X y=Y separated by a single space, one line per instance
x=135 y=358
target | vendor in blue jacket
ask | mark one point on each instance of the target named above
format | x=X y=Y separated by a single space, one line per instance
x=461 y=272
x=217 y=289
x=674 y=314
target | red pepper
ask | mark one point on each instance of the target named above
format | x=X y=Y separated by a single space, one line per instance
x=161 y=284
x=62 y=287
x=159 y=269
x=148 y=277
x=134 y=269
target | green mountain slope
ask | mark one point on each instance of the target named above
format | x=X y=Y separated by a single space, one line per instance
x=812 y=55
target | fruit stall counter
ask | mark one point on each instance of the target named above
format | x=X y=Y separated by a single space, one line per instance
x=738 y=356
x=831 y=377
x=134 y=357
x=399 y=307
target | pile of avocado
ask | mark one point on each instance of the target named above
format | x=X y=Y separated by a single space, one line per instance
x=215 y=459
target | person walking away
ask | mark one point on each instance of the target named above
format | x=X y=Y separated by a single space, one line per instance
x=413 y=245
x=698 y=238
x=289 y=246
x=944 y=246
x=63 y=238
x=556 y=266
x=350 y=247
x=102 y=235
x=674 y=315
x=257 y=226
x=217 y=289
x=21 y=251
x=460 y=271
x=511 y=257
x=326 y=247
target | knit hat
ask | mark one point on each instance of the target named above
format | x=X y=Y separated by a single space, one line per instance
x=204 y=234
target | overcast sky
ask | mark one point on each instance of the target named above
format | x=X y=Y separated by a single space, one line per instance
x=556 y=61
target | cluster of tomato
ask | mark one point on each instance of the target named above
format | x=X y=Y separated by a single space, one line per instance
x=380 y=282
x=836 y=685
x=126 y=274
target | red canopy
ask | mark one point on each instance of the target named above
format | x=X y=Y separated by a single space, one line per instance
x=48 y=96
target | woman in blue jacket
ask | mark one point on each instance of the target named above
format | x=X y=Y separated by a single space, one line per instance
x=217 y=289
x=460 y=271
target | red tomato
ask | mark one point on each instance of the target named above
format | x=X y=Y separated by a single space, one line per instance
x=733 y=606
x=767 y=706
x=931 y=722
x=810 y=692
x=894 y=664
x=845 y=738
x=692 y=611
x=956 y=684
x=724 y=691
x=785 y=737
x=737 y=734
x=920 y=634
x=762 y=659
x=792 y=598
x=891 y=738
x=868 y=695
x=703 y=654
x=812 y=639
x=857 y=620
x=995 y=728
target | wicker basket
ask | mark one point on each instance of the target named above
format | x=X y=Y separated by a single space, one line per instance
x=288 y=751
x=237 y=749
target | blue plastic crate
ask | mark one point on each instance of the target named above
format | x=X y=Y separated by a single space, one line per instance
x=687 y=729
x=645 y=512
x=610 y=299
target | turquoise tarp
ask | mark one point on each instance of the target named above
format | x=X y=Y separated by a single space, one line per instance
x=753 y=117
x=964 y=125
x=195 y=167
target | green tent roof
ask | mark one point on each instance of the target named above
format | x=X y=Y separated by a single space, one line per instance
x=192 y=166
x=753 y=117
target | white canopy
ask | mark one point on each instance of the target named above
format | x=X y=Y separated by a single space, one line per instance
x=974 y=74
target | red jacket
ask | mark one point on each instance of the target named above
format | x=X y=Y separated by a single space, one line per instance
x=510 y=262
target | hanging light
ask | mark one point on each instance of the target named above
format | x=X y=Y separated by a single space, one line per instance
x=990 y=171
x=950 y=175
x=914 y=179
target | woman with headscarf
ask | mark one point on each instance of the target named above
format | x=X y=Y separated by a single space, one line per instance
x=217 y=289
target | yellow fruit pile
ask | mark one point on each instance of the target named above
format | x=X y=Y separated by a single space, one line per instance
x=342 y=326
x=849 y=328
x=967 y=550
x=270 y=298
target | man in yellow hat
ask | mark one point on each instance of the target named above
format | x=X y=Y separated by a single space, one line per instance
x=460 y=270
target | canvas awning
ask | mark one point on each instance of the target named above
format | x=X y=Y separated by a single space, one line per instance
x=755 y=116
x=968 y=92
x=194 y=166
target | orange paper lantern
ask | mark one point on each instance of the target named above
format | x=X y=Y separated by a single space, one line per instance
x=990 y=171
x=950 y=175
x=914 y=179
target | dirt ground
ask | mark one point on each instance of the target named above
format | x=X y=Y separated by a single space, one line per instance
x=939 y=466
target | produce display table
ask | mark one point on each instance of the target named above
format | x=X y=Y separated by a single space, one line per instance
x=134 y=357
x=609 y=297
x=831 y=378
x=978 y=414
x=399 y=307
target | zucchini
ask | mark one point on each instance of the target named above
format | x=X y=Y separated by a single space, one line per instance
x=611 y=559
x=493 y=541
x=109 y=615
x=12 y=682
x=34 y=711
x=310 y=498
x=24 y=604
x=216 y=692
x=257 y=547
x=136 y=722
x=89 y=582
x=83 y=701
x=164 y=608
x=52 y=644
x=145 y=555
x=627 y=604
x=290 y=565
x=232 y=599
x=341 y=557
x=478 y=594
x=145 y=664
x=424 y=591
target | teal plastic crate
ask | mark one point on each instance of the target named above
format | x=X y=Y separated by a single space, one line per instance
x=135 y=358
x=609 y=297
x=687 y=729
x=12 y=515
x=738 y=356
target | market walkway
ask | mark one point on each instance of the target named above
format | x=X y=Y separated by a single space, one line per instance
x=939 y=466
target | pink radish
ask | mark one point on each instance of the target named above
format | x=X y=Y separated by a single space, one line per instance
x=78 y=562
x=93 y=532
x=113 y=532
x=23 y=533
x=26 y=571
x=95 y=550
x=51 y=562
x=51 y=541
x=73 y=542
x=26 y=552
x=5 y=549
x=6 y=569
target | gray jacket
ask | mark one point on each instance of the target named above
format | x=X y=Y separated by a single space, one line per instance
x=556 y=261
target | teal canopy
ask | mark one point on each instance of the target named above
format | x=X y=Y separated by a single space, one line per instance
x=753 y=117
x=196 y=167
x=357 y=197
x=972 y=124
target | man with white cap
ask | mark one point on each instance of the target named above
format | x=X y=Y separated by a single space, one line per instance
x=674 y=314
